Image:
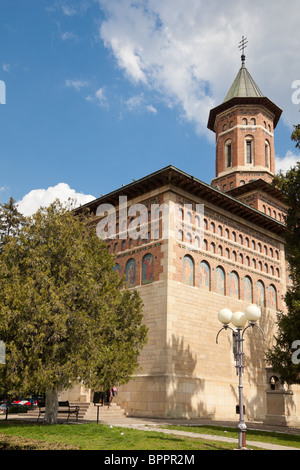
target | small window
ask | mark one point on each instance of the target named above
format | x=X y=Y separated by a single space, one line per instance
x=228 y=153
x=245 y=122
x=267 y=154
x=249 y=151
x=253 y=122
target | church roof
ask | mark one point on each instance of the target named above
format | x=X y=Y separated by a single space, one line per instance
x=243 y=86
x=258 y=185
x=177 y=179
x=244 y=91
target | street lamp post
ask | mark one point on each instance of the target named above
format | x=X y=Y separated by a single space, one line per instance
x=239 y=320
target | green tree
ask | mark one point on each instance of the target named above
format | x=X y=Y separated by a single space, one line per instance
x=65 y=315
x=296 y=135
x=282 y=355
x=11 y=220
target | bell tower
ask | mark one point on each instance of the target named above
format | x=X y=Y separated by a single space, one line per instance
x=244 y=126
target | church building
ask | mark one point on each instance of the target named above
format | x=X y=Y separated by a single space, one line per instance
x=221 y=245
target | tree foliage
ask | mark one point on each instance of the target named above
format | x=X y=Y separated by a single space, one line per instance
x=11 y=221
x=296 y=135
x=280 y=356
x=65 y=315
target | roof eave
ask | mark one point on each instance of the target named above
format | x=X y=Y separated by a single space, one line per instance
x=262 y=101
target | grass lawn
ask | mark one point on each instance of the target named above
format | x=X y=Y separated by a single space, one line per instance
x=282 y=439
x=18 y=435
x=22 y=435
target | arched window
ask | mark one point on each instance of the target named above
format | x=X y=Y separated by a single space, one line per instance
x=274 y=383
x=131 y=273
x=180 y=213
x=147 y=269
x=260 y=294
x=189 y=237
x=189 y=217
x=266 y=268
x=220 y=280
x=247 y=289
x=244 y=122
x=253 y=122
x=234 y=236
x=234 y=285
x=188 y=270
x=212 y=247
x=228 y=153
x=204 y=275
x=267 y=153
x=272 y=297
x=116 y=268
x=249 y=150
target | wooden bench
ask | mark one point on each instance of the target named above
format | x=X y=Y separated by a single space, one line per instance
x=63 y=407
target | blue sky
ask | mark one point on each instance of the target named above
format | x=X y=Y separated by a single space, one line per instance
x=100 y=92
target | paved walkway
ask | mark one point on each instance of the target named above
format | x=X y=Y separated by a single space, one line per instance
x=148 y=424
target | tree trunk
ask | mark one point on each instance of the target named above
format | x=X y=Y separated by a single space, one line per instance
x=51 y=406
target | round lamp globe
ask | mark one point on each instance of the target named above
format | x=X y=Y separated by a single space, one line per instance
x=224 y=316
x=253 y=313
x=238 y=319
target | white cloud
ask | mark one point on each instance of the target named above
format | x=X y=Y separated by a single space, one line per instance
x=187 y=52
x=99 y=97
x=138 y=103
x=37 y=198
x=69 y=36
x=6 y=67
x=76 y=84
x=286 y=163
x=151 y=109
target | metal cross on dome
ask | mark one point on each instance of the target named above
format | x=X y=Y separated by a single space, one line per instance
x=242 y=46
